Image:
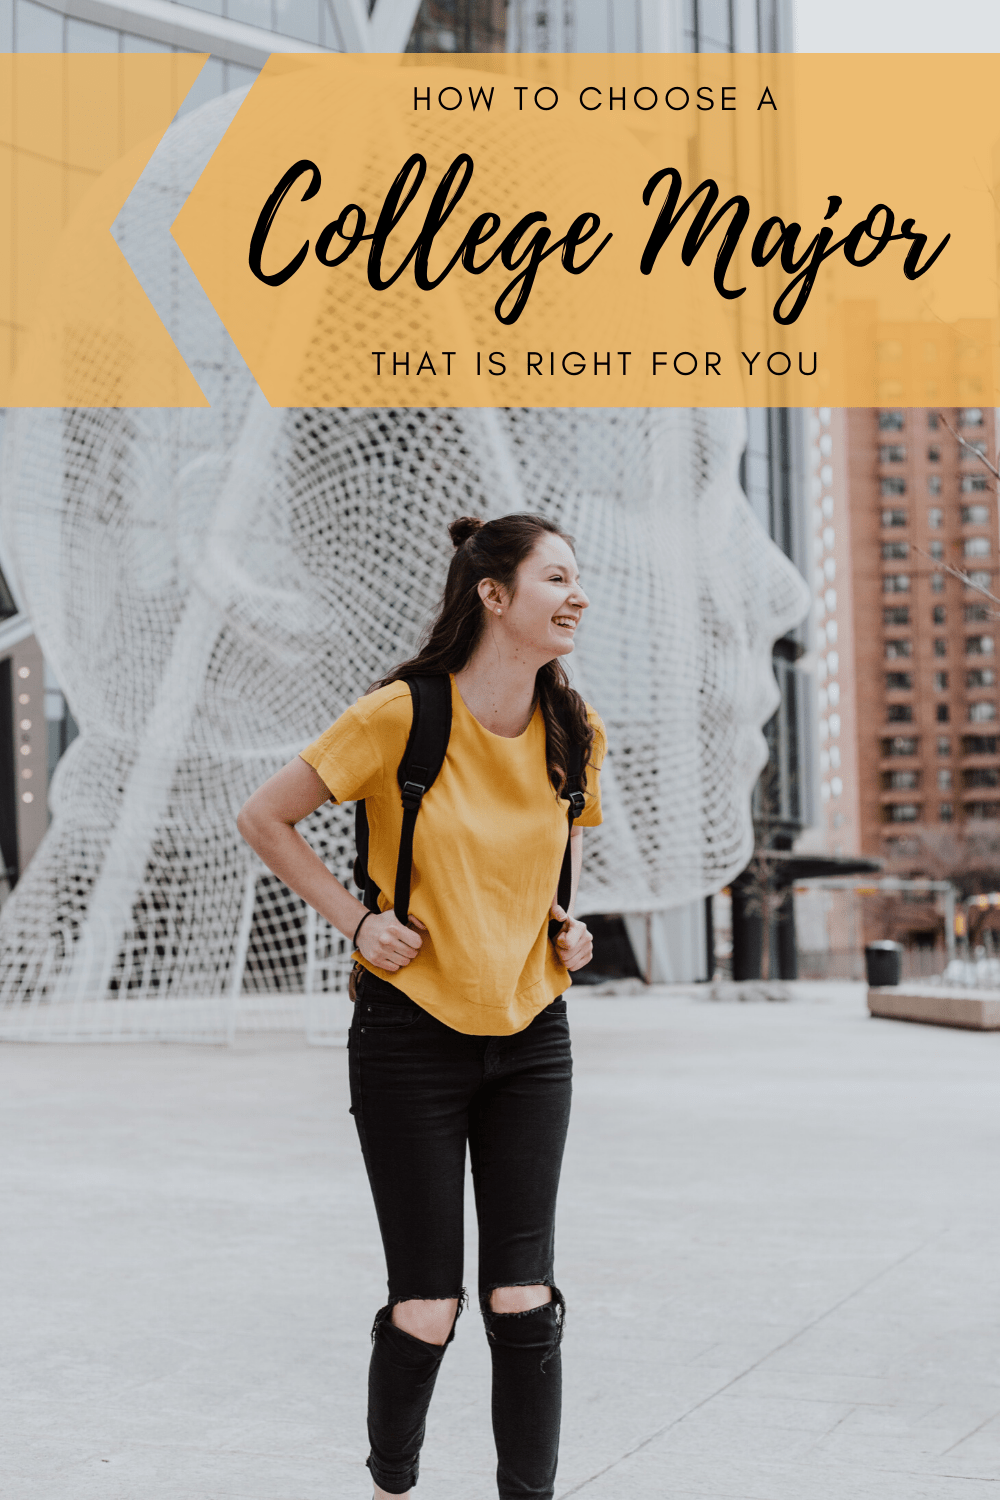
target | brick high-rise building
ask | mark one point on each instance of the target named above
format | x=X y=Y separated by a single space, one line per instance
x=924 y=640
x=905 y=658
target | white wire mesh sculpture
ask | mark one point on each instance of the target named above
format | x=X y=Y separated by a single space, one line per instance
x=212 y=588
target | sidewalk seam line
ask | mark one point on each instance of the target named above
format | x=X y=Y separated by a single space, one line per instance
x=806 y=1328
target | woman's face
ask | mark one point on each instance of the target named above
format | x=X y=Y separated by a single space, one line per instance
x=540 y=618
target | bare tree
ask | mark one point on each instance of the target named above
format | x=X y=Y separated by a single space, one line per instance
x=969 y=860
x=993 y=466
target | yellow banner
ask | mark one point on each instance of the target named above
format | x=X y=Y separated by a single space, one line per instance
x=504 y=230
x=76 y=131
x=568 y=230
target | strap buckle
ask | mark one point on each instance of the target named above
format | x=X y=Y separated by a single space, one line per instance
x=413 y=792
x=577 y=803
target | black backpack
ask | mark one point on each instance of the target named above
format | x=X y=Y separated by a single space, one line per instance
x=422 y=760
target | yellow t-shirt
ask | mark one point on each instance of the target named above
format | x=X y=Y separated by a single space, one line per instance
x=487 y=852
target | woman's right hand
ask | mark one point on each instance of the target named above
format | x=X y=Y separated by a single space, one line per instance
x=387 y=944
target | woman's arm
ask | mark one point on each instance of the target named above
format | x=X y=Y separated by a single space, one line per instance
x=574 y=944
x=267 y=822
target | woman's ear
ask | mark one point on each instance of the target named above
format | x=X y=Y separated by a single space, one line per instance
x=492 y=595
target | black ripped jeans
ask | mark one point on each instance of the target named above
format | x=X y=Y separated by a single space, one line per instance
x=421 y=1092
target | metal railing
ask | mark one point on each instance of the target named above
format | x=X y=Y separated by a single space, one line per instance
x=919 y=963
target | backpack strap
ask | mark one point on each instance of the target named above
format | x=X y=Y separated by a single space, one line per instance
x=573 y=790
x=362 y=879
x=423 y=758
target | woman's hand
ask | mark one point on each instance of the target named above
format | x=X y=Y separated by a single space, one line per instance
x=574 y=944
x=387 y=944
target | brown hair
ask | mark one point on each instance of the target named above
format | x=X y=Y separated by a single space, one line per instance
x=496 y=550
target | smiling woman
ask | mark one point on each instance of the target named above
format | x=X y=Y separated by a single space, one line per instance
x=459 y=1040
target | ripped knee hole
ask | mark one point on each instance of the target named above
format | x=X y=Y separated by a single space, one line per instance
x=515 y=1299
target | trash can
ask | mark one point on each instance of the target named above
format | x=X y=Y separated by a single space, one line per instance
x=884 y=962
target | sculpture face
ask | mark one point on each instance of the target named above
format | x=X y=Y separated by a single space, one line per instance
x=213 y=587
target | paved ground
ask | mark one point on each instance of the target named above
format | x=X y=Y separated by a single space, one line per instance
x=779 y=1241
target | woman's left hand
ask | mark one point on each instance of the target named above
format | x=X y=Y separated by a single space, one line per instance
x=574 y=944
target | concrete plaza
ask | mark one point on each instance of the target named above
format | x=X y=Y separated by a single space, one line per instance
x=778 y=1241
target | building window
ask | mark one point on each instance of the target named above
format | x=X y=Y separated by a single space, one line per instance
x=941 y=713
x=971 y=417
x=892 y=453
x=976 y=612
x=975 y=515
x=980 y=580
x=935 y=517
x=707 y=28
x=982 y=677
x=940 y=682
x=462 y=26
x=940 y=646
x=900 y=745
x=938 y=614
x=932 y=420
x=943 y=745
x=894 y=518
x=899 y=551
x=981 y=713
x=937 y=551
x=897 y=615
x=897 y=848
x=946 y=812
x=896 y=485
x=982 y=809
x=896 y=583
x=937 y=583
x=903 y=812
x=979 y=645
x=979 y=744
x=8 y=608
x=890 y=421
x=896 y=649
x=968 y=449
x=898 y=682
x=934 y=485
x=901 y=781
x=976 y=546
x=934 y=454
x=981 y=776
x=944 y=781
x=900 y=713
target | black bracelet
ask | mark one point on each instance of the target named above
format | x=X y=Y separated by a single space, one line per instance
x=364 y=919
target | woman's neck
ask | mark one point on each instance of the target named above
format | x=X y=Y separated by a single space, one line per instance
x=500 y=694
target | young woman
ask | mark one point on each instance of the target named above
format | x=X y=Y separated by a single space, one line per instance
x=459 y=1036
